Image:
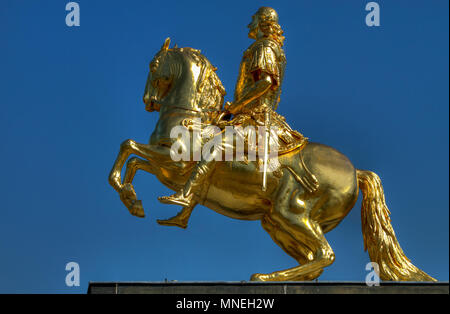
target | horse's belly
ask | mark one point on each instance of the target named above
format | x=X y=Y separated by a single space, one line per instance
x=237 y=193
x=223 y=202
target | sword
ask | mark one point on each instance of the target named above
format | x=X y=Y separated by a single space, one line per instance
x=266 y=147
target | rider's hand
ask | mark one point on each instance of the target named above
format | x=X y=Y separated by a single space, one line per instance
x=232 y=108
x=228 y=106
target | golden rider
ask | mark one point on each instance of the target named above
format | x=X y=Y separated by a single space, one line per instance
x=258 y=90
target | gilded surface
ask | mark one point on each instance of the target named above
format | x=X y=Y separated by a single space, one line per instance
x=309 y=194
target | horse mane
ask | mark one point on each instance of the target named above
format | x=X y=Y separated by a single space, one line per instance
x=210 y=90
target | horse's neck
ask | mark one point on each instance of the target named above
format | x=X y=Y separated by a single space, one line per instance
x=169 y=119
x=180 y=103
x=184 y=91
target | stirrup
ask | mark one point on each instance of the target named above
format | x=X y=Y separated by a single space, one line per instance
x=176 y=199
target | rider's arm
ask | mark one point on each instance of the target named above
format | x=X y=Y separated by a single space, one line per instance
x=263 y=83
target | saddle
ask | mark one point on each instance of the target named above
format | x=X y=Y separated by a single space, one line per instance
x=282 y=137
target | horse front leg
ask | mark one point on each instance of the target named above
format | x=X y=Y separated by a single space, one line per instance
x=135 y=206
x=125 y=189
x=128 y=194
x=128 y=147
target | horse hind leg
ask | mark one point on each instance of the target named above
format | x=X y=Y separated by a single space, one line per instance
x=298 y=234
x=291 y=246
x=310 y=249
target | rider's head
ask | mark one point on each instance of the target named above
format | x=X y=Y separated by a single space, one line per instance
x=265 y=24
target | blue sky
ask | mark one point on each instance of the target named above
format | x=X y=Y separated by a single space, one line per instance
x=70 y=95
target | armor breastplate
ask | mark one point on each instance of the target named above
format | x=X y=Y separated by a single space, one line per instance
x=271 y=59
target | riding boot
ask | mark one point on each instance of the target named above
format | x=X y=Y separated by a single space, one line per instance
x=184 y=197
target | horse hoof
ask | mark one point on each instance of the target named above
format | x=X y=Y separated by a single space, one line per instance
x=257 y=277
x=137 y=209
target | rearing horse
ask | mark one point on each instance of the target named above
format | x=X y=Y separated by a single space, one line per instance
x=314 y=190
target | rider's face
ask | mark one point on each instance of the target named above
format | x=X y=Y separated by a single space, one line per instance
x=253 y=26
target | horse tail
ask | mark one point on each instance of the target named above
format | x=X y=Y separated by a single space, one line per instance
x=379 y=236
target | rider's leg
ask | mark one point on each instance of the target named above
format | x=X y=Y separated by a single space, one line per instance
x=180 y=220
x=184 y=197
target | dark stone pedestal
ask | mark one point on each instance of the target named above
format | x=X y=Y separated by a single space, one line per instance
x=266 y=288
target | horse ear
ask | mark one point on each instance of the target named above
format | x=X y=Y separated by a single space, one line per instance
x=166 y=44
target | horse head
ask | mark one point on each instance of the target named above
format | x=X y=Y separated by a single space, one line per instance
x=182 y=84
x=182 y=78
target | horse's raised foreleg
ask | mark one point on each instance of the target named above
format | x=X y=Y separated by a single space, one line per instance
x=128 y=147
x=125 y=189
x=135 y=206
x=128 y=194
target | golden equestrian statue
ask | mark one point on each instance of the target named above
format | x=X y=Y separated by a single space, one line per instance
x=306 y=193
